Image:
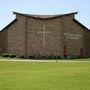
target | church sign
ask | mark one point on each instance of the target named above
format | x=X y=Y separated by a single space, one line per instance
x=72 y=36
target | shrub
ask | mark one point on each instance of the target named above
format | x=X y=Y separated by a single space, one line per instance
x=5 y=55
x=59 y=57
x=8 y=55
x=12 y=55
x=22 y=57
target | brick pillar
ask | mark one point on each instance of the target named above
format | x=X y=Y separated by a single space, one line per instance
x=26 y=28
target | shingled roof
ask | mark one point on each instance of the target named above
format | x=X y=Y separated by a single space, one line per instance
x=45 y=16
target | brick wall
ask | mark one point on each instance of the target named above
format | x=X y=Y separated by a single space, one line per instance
x=3 y=41
x=65 y=36
x=73 y=36
x=53 y=40
x=16 y=36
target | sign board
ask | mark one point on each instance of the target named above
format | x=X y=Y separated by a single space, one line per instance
x=72 y=36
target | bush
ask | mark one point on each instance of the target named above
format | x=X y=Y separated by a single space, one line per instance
x=44 y=57
x=12 y=55
x=5 y=55
x=59 y=57
x=22 y=57
x=8 y=55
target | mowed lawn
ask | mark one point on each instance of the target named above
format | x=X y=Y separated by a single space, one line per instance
x=44 y=75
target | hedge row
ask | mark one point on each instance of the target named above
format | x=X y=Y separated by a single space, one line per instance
x=45 y=57
x=8 y=55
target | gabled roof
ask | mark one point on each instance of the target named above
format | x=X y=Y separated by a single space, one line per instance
x=45 y=16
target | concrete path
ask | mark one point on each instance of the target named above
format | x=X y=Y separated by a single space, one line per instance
x=26 y=60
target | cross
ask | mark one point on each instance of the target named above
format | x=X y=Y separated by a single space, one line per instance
x=44 y=32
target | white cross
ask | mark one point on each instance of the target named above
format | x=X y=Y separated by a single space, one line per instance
x=44 y=32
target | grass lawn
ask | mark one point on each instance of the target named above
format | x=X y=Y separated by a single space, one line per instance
x=44 y=75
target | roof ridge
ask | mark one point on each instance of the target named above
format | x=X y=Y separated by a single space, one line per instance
x=45 y=16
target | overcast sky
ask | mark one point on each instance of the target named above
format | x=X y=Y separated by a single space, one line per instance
x=44 y=7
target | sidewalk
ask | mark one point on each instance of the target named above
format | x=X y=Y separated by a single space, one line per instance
x=28 y=60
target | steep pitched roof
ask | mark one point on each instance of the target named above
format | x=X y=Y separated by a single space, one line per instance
x=45 y=16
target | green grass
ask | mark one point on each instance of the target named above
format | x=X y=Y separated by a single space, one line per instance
x=44 y=75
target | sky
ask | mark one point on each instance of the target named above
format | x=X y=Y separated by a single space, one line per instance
x=44 y=7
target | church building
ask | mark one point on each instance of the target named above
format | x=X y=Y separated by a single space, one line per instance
x=45 y=35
